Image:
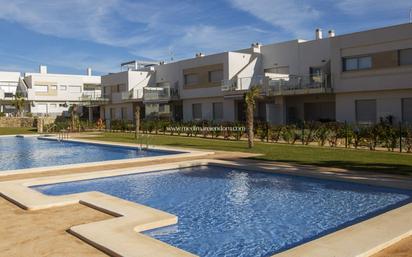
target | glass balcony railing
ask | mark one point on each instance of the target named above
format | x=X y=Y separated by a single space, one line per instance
x=241 y=84
x=160 y=94
x=134 y=94
x=298 y=84
x=281 y=84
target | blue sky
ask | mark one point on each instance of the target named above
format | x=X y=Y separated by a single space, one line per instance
x=69 y=36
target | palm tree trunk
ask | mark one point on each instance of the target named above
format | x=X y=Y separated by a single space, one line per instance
x=137 y=121
x=249 y=124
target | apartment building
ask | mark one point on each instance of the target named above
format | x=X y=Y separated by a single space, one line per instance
x=124 y=90
x=373 y=74
x=9 y=82
x=359 y=77
x=52 y=94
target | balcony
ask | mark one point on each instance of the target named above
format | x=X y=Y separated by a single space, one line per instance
x=160 y=94
x=280 y=84
x=298 y=84
x=92 y=98
x=242 y=84
x=2 y=94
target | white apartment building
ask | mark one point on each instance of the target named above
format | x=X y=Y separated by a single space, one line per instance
x=51 y=94
x=359 y=77
x=9 y=82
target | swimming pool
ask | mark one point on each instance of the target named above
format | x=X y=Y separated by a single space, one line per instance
x=32 y=152
x=229 y=212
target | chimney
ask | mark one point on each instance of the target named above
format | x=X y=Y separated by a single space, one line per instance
x=199 y=55
x=89 y=71
x=331 y=33
x=43 y=69
x=318 y=34
x=256 y=47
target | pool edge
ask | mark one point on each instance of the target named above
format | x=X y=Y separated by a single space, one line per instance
x=349 y=241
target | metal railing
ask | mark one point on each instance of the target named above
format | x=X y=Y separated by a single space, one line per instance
x=62 y=135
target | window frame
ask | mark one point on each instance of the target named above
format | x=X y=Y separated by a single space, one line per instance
x=193 y=111
x=357 y=113
x=186 y=80
x=210 y=76
x=214 y=111
x=400 y=55
x=357 y=58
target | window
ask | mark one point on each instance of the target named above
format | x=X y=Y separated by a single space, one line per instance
x=53 y=87
x=365 y=111
x=217 y=111
x=75 y=89
x=162 y=108
x=63 y=88
x=405 y=56
x=215 y=76
x=124 y=113
x=191 y=79
x=197 y=111
x=112 y=113
x=407 y=110
x=41 y=88
x=357 y=63
x=54 y=106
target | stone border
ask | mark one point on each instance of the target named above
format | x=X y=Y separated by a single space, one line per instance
x=118 y=236
x=181 y=153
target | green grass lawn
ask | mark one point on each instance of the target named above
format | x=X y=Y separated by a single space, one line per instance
x=362 y=160
x=12 y=131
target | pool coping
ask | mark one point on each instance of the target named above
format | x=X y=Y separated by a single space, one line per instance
x=118 y=236
x=180 y=153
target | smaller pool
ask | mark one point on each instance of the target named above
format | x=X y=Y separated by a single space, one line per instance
x=32 y=152
x=229 y=212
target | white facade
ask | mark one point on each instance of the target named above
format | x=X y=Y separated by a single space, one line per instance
x=53 y=94
x=9 y=82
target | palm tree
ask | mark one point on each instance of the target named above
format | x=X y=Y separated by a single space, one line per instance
x=250 y=101
x=19 y=102
x=137 y=121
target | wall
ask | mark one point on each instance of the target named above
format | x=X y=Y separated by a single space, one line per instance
x=388 y=103
x=25 y=122
x=366 y=43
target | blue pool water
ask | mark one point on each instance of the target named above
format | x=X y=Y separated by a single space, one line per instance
x=31 y=152
x=226 y=212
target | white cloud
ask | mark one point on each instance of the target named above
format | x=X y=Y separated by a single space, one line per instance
x=290 y=15
x=361 y=7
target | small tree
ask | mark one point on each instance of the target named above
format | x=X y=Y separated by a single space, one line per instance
x=19 y=102
x=73 y=115
x=250 y=101
x=137 y=121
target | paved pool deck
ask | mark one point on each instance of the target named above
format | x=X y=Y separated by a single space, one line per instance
x=44 y=232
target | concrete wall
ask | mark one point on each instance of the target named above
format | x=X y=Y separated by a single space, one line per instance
x=25 y=122
x=387 y=103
